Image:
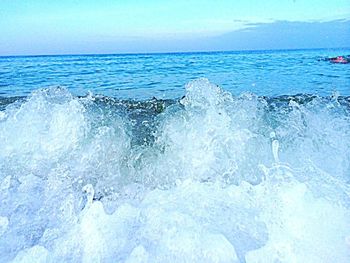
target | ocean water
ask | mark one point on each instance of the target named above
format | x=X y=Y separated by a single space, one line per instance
x=198 y=157
x=143 y=76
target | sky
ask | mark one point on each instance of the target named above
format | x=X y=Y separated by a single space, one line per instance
x=33 y=27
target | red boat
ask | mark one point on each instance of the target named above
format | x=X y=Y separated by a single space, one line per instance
x=340 y=59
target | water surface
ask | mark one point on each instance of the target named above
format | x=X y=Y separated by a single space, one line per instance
x=136 y=158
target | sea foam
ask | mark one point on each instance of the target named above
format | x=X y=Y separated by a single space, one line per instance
x=208 y=178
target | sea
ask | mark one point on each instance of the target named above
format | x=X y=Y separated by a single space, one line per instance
x=237 y=156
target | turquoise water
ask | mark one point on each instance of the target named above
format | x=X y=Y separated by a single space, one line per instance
x=201 y=157
x=140 y=76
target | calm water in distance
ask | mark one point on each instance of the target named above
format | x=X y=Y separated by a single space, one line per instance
x=143 y=76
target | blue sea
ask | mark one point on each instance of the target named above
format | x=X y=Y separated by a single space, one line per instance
x=184 y=157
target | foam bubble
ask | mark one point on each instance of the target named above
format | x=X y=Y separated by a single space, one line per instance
x=213 y=178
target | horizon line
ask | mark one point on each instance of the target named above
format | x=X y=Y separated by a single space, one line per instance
x=169 y=53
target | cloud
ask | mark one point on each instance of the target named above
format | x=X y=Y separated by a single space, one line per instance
x=286 y=35
x=253 y=36
x=260 y=36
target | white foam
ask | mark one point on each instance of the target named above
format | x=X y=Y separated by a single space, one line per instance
x=34 y=254
x=226 y=180
x=4 y=222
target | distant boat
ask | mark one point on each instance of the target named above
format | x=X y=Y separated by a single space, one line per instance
x=340 y=59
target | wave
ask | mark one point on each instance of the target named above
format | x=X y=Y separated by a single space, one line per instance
x=209 y=177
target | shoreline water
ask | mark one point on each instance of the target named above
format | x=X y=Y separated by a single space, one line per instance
x=212 y=177
x=234 y=170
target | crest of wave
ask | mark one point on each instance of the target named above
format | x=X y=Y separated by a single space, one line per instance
x=227 y=179
x=51 y=145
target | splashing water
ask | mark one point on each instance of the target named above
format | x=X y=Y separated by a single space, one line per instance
x=208 y=178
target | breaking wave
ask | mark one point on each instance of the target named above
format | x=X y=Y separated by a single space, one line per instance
x=207 y=178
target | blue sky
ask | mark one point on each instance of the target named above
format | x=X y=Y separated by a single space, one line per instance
x=71 y=27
